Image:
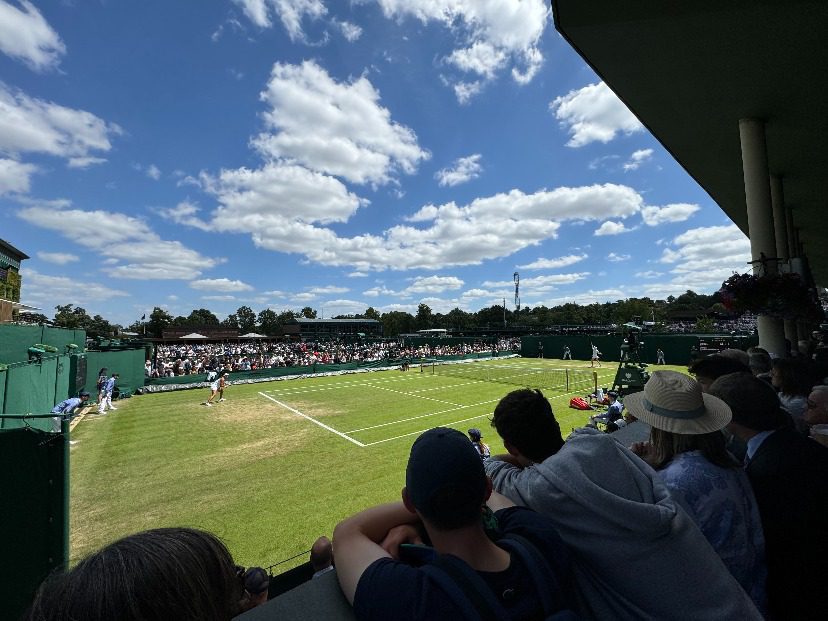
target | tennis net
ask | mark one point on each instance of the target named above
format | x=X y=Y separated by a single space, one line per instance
x=557 y=380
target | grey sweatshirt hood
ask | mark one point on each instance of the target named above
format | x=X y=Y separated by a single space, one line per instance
x=637 y=554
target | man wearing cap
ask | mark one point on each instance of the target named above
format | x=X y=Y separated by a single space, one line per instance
x=445 y=495
x=788 y=473
x=477 y=442
x=636 y=552
x=68 y=406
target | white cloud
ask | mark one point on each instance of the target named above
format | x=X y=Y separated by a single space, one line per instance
x=332 y=127
x=27 y=36
x=648 y=274
x=464 y=169
x=153 y=172
x=219 y=298
x=357 y=275
x=29 y=125
x=592 y=296
x=220 y=284
x=375 y=292
x=491 y=35
x=59 y=258
x=137 y=251
x=702 y=258
x=15 y=177
x=593 y=113
x=637 y=159
x=677 y=212
x=536 y=285
x=328 y=289
x=49 y=291
x=84 y=162
x=290 y=12
x=281 y=214
x=611 y=228
x=434 y=284
x=350 y=31
x=617 y=258
x=476 y=293
x=185 y=212
x=553 y=264
x=304 y=297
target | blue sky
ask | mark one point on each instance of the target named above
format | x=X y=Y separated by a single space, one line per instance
x=339 y=155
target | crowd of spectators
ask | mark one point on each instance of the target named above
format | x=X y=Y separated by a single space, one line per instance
x=745 y=324
x=172 y=360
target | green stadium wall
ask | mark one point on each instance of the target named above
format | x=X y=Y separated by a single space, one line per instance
x=128 y=363
x=676 y=347
x=16 y=340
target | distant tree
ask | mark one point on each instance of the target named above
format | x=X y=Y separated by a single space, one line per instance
x=372 y=313
x=71 y=317
x=286 y=316
x=308 y=313
x=36 y=318
x=246 y=319
x=202 y=317
x=158 y=320
x=268 y=322
x=231 y=321
x=424 y=318
x=397 y=322
x=458 y=319
x=98 y=326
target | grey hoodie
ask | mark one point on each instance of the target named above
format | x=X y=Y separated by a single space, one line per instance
x=637 y=554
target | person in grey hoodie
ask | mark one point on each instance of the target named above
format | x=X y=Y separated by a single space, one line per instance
x=637 y=555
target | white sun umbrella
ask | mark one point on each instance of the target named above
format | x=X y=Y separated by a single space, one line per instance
x=193 y=335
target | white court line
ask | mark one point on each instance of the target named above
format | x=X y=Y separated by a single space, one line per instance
x=289 y=391
x=414 y=433
x=313 y=420
x=405 y=420
x=408 y=394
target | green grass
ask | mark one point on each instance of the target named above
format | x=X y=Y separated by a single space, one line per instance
x=265 y=479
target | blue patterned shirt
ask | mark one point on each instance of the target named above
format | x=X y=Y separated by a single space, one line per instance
x=721 y=502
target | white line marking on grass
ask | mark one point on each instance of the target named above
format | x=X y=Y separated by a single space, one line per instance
x=413 y=433
x=405 y=420
x=313 y=420
x=289 y=391
x=408 y=394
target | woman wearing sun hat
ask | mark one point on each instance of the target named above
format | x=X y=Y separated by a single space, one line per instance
x=687 y=448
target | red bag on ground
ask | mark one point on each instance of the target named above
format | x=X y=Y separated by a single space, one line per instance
x=579 y=403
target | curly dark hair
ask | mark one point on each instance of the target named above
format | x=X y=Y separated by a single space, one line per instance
x=524 y=419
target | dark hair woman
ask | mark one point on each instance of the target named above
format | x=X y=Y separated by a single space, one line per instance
x=167 y=573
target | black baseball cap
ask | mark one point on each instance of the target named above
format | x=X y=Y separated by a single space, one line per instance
x=474 y=432
x=445 y=475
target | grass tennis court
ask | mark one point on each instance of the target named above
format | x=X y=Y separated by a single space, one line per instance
x=279 y=463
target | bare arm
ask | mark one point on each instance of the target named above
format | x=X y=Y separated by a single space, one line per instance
x=357 y=539
x=497 y=502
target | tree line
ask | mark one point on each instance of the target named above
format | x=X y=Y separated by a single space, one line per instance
x=269 y=322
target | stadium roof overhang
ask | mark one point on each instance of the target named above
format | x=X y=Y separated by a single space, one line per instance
x=689 y=70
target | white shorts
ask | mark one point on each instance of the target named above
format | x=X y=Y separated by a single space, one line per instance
x=214 y=386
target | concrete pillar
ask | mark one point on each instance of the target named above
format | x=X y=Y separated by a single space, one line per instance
x=789 y=228
x=760 y=221
x=780 y=229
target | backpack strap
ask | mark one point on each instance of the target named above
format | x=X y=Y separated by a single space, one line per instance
x=547 y=585
x=467 y=590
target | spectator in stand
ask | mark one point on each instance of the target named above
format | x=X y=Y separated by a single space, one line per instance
x=477 y=442
x=817 y=410
x=761 y=365
x=791 y=378
x=157 y=575
x=617 y=516
x=788 y=473
x=709 y=369
x=446 y=492
x=321 y=556
x=105 y=402
x=256 y=585
x=524 y=418
x=688 y=450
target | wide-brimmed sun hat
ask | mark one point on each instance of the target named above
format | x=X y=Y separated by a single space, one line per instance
x=674 y=402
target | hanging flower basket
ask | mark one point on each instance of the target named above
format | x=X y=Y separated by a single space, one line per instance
x=784 y=296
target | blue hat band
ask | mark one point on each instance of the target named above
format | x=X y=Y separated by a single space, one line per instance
x=682 y=414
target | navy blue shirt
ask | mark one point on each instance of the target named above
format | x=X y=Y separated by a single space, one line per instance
x=390 y=590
